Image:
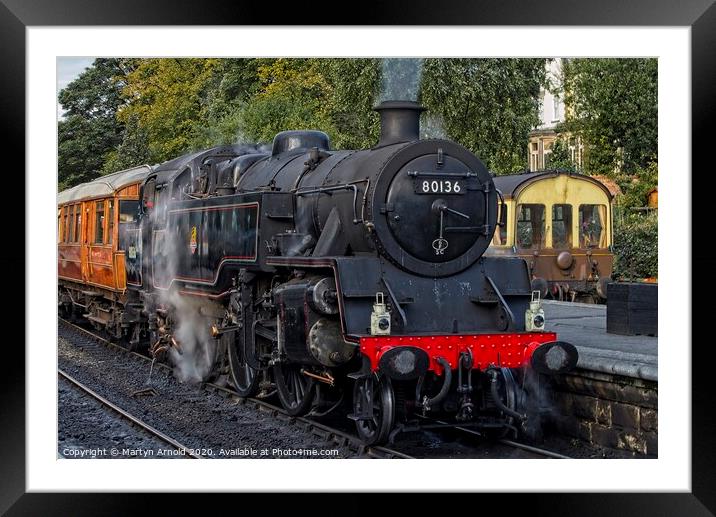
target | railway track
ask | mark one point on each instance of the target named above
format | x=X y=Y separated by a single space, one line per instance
x=321 y=430
x=330 y=434
x=133 y=420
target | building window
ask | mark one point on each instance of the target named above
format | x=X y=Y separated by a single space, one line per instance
x=561 y=226
x=555 y=108
x=530 y=226
x=534 y=156
x=99 y=223
x=592 y=233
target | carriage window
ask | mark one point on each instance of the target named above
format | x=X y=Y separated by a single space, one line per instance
x=60 y=226
x=78 y=223
x=592 y=233
x=499 y=238
x=110 y=220
x=128 y=211
x=72 y=224
x=561 y=226
x=65 y=224
x=530 y=226
x=99 y=222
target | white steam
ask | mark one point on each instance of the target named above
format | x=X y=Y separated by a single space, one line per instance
x=431 y=126
x=192 y=348
x=400 y=79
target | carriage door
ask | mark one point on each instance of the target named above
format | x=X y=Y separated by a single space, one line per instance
x=84 y=239
x=130 y=240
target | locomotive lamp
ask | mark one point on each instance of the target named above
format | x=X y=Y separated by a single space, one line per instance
x=534 y=316
x=380 y=317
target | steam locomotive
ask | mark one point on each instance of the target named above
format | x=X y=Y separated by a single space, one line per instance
x=322 y=275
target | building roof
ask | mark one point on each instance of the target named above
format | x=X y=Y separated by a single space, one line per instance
x=511 y=184
x=104 y=186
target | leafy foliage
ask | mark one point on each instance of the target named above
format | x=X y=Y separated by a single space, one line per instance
x=166 y=99
x=487 y=105
x=560 y=157
x=612 y=103
x=90 y=129
x=293 y=95
x=636 y=246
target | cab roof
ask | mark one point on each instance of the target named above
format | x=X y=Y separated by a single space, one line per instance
x=510 y=185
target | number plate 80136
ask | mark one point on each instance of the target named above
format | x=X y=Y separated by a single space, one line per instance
x=439 y=186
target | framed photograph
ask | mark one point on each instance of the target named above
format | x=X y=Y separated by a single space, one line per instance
x=41 y=41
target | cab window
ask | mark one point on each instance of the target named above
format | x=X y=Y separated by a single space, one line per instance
x=530 y=226
x=592 y=233
x=99 y=223
x=561 y=226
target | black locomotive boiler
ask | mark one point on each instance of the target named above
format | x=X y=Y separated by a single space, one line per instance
x=323 y=273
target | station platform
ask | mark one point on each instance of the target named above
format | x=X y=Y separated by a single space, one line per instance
x=585 y=326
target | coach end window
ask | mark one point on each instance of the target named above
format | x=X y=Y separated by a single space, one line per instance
x=561 y=226
x=530 y=226
x=592 y=233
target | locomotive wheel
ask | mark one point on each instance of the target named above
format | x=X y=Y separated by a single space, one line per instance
x=246 y=379
x=374 y=393
x=509 y=392
x=295 y=390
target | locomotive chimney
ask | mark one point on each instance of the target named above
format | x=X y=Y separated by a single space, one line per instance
x=399 y=121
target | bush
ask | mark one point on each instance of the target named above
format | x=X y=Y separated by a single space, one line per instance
x=636 y=250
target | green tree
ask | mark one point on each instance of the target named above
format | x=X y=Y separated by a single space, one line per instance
x=293 y=94
x=233 y=82
x=612 y=104
x=560 y=157
x=487 y=105
x=89 y=130
x=166 y=105
x=636 y=247
x=354 y=84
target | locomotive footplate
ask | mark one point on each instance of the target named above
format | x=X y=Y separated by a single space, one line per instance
x=408 y=354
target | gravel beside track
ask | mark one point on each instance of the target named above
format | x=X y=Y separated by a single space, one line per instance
x=88 y=429
x=211 y=423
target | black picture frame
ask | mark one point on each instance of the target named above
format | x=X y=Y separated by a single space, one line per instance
x=700 y=15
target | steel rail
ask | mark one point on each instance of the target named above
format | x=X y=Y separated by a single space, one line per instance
x=337 y=436
x=128 y=416
x=529 y=448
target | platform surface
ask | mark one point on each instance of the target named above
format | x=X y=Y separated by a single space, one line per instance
x=585 y=326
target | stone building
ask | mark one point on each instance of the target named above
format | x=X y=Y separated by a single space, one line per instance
x=552 y=113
